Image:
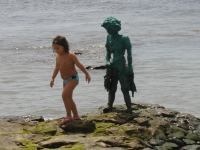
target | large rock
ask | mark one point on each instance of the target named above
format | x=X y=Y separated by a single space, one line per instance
x=149 y=127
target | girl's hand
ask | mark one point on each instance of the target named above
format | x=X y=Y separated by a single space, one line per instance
x=87 y=78
x=51 y=83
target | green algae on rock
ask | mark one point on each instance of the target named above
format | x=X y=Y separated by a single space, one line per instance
x=151 y=128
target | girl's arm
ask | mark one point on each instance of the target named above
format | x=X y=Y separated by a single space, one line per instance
x=81 y=67
x=55 y=72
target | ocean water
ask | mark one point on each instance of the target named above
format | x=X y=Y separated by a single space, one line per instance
x=165 y=35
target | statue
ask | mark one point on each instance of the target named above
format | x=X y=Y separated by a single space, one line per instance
x=117 y=67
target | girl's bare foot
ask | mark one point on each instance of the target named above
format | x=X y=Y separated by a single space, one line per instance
x=76 y=118
x=66 y=120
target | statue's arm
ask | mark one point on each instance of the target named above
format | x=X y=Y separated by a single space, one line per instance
x=108 y=53
x=129 y=53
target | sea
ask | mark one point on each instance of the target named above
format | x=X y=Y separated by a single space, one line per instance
x=165 y=37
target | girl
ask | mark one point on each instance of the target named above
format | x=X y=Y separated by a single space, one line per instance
x=65 y=64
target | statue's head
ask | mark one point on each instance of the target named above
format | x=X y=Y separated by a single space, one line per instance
x=112 y=25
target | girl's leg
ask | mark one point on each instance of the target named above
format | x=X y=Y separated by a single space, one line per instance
x=67 y=97
x=66 y=103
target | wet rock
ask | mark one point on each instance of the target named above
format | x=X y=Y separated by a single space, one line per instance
x=79 y=126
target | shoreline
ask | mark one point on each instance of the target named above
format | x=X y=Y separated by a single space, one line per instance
x=149 y=127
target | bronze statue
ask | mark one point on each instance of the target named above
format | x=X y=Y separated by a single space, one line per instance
x=117 y=67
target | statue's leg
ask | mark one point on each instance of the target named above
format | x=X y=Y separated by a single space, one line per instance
x=112 y=91
x=125 y=90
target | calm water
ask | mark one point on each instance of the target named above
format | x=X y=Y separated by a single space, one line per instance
x=166 y=52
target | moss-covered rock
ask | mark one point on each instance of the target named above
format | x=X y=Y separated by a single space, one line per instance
x=154 y=127
x=193 y=136
x=48 y=128
x=26 y=144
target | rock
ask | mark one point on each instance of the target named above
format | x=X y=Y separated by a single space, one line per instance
x=166 y=113
x=153 y=127
x=176 y=132
x=136 y=145
x=111 y=143
x=177 y=141
x=159 y=134
x=189 y=142
x=156 y=142
x=193 y=136
x=113 y=117
x=24 y=119
x=58 y=142
x=169 y=146
x=79 y=126
x=143 y=121
x=137 y=131
x=187 y=121
x=44 y=128
x=191 y=147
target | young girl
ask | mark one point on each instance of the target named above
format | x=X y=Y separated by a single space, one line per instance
x=65 y=63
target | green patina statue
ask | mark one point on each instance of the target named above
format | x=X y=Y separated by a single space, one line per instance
x=117 y=68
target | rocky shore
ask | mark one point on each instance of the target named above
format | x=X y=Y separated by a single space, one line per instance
x=150 y=127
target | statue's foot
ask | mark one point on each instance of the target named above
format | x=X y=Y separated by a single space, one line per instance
x=129 y=110
x=107 y=109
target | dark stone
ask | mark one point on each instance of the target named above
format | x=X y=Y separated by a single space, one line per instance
x=79 y=126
